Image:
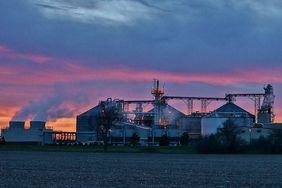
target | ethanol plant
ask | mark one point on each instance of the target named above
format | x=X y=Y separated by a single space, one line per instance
x=129 y=117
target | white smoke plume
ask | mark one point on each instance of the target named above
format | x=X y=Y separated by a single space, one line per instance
x=60 y=105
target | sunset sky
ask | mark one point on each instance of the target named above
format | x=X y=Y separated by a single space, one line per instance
x=60 y=57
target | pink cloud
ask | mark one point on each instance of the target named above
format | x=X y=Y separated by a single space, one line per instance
x=69 y=72
x=4 y=49
x=66 y=70
x=14 y=55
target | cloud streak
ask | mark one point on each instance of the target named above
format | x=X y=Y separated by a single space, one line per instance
x=9 y=53
x=75 y=73
x=122 y=12
x=125 y=12
x=57 y=70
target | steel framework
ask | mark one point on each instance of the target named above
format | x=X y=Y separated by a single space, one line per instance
x=256 y=97
x=205 y=101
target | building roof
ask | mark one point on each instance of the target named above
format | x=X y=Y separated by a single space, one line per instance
x=92 y=112
x=231 y=107
x=169 y=114
x=167 y=109
x=230 y=110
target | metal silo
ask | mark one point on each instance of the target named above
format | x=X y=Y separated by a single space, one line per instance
x=229 y=111
x=192 y=123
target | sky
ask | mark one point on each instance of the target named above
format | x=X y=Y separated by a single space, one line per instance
x=59 y=58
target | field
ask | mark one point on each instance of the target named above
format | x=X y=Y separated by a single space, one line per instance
x=112 y=149
x=90 y=169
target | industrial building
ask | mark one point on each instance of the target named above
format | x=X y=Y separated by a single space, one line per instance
x=118 y=120
x=18 y=133
x=162 y=119
x=38 y=133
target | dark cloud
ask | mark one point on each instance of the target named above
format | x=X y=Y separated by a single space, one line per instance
x=48 y=6
x=199 y=35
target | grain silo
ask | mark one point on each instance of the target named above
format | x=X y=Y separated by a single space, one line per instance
x=229 y=111
x=192 y=124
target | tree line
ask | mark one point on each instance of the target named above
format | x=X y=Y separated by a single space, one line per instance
x=228 y=140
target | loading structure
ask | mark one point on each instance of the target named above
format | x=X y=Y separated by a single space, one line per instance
x=264 y=113
x=205 y=101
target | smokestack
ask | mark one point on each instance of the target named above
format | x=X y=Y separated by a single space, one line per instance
x=16 y=124
x=37 y=124
x=158 y=84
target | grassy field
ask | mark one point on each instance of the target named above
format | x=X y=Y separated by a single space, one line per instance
x=93 y=169
x=117 y=149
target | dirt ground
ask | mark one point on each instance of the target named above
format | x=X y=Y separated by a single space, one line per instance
x=73 y=169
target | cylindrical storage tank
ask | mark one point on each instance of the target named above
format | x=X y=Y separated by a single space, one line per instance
x=17 y=124
x=37 y=124
x=192 y=125
x=211 y=124
x=229 y=111
x=142 y=133
x=174 y=133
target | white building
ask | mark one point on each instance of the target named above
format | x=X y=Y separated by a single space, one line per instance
x=18 y=133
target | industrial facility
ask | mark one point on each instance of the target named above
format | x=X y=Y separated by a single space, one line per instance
x=129 y=117
x=119 y=120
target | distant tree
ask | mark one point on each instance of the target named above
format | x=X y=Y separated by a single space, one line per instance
x=208 y=144
x=164 y=140
x=184 y=139
x=105 y=121
x=225 y=140
x=260 y=145
x=229 y=138
x=271 y=144
x=275 y=140
x=134 y=139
